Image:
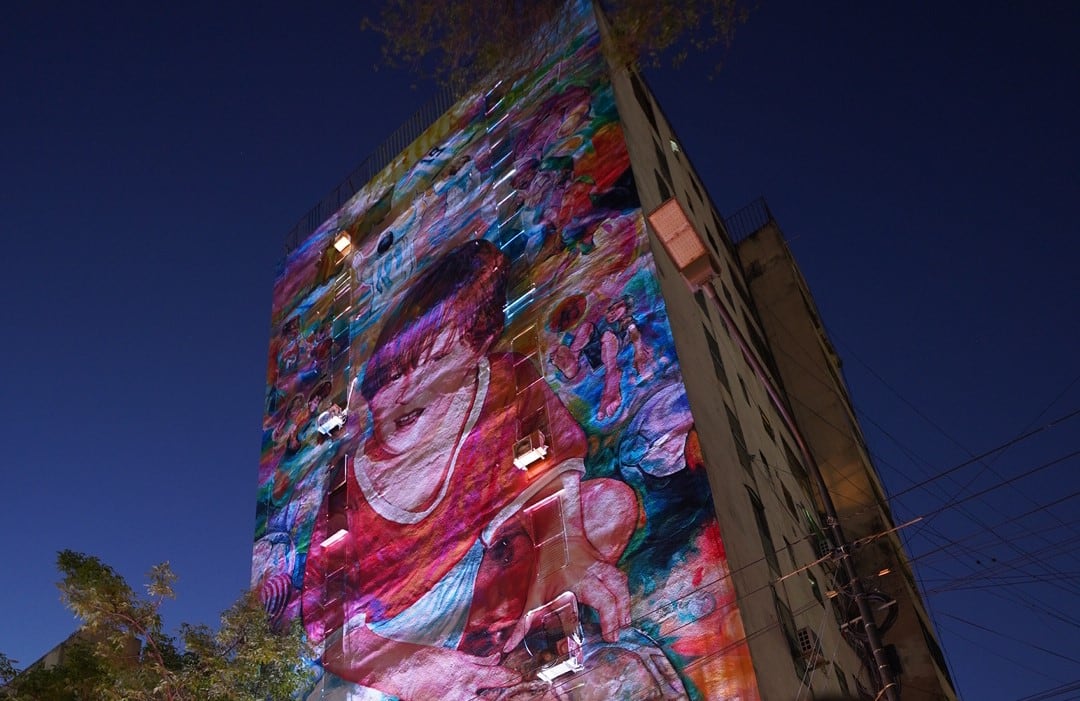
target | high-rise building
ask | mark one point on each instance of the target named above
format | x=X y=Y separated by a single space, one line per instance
x=510 y=453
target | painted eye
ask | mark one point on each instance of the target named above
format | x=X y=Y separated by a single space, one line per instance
x=396 y=375
x=502 y=551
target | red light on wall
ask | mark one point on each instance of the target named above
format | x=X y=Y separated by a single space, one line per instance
x=682 y=242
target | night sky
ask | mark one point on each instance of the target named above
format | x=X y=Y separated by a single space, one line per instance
x=923 y=161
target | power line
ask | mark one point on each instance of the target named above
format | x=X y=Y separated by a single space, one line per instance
x=1053 y=692
x=816 y=376
x=957 y=499
x=1007 y=444
x=1040 y=648
x=997 y=654
x=1027 y=473
x=996 y=527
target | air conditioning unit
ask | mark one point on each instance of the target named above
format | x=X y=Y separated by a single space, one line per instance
x=810 y=647
x=554 y=638
x=822 y=546
x=330 y=420
x=530 y=449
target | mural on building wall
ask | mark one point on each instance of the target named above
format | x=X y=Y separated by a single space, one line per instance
x=480 y=477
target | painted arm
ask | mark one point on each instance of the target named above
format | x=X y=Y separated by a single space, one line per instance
x=412 y=672
x=567 y=560
x=352 y=651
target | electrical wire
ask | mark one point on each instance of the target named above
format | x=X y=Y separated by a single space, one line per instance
x=996 y=449
x=971 y=516
x=817 y=377
x=1014 y=639
x=1053 y=692
x=956 y=494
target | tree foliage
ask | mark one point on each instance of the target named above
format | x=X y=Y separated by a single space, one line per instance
x=7 y=669
x=124 y=653
x=457 y=41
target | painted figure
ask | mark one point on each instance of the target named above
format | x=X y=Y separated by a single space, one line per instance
x=598 y=344
x=432 y=547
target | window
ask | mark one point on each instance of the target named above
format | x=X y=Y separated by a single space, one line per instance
x=736 y=278
x=840 y=387
x=712 y=236
x=759 y=343
x=935 y=649
x=841 y=679
x=721 y=230
x=740 y=440
x=797 y=469
x=337 y=519
x=554 y=637
x=643 y=100
x=790 y=552
x=549 y=534
x=767 y=425
x=699 y=297
x=745 y=394
x=727 y=295
x=333 y=587
x=665 y=193
x=763 y=532
x=336 y=543
x=718 y=362
x=822 y=546
x=787 y=625
x=661 y=160
x=809 y=308
x=814 y=588
x=789 y=501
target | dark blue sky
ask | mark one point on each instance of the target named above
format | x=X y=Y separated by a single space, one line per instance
x=924 y=161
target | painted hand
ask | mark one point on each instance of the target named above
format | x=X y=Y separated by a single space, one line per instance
x=449 y=675
x=595 y=583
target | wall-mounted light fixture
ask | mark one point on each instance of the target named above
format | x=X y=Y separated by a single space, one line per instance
x=342 y=242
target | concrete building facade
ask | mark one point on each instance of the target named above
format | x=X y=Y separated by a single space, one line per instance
x=510 y=453
x=810 y=370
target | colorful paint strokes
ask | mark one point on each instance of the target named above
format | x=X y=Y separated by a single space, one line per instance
x=480 y=477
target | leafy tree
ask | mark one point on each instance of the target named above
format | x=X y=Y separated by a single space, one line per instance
x=7 y=669
x=74 y=679
x=456 y=41
x=123 y=652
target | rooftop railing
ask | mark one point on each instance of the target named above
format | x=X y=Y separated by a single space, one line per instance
x=745 y=222
x=394 y=144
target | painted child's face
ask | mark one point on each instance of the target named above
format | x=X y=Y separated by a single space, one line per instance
x=615 y=312
x=414 y=407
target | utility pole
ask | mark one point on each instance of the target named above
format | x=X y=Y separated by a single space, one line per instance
x=695 y=264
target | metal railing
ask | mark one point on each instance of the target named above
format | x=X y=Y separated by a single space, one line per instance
x=747 y=221
x=394 y=144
